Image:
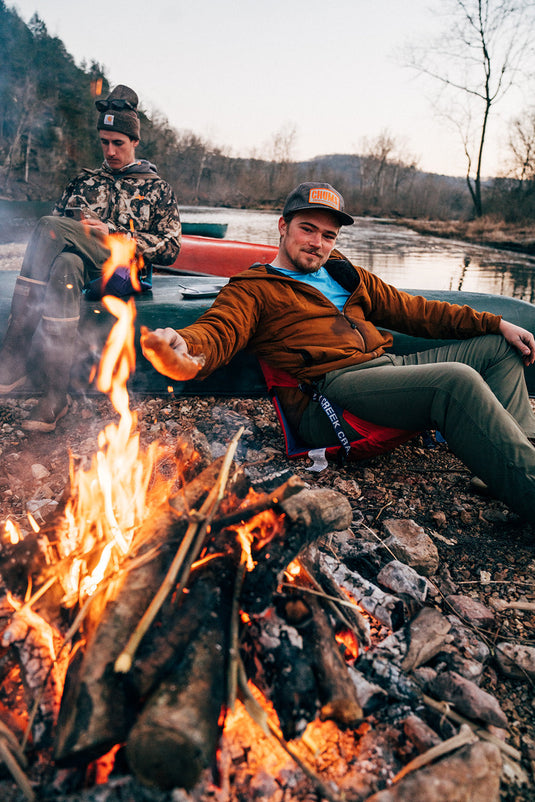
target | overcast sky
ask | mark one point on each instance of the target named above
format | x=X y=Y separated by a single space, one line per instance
x=238 y=73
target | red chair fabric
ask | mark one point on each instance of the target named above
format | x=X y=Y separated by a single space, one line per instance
x=370 y=441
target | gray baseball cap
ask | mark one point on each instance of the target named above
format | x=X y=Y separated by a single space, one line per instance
x=317 y=196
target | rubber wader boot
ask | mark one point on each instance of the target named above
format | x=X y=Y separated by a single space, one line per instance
x=56 y=353
x=26 y=309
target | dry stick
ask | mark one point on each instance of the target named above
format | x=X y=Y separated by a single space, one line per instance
x=16 y=772
x=361 y=629
x=13 y=744
x=464 y=736
x=123 y=663
x=500 y=605
x=444 y=708
x=258 y=714
x=234 y=653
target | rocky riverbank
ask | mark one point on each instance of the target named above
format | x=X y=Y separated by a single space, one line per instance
x=485 y=552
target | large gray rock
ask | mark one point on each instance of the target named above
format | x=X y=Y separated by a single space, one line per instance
x=468 y=698
x=411 y=545
x=470 y=775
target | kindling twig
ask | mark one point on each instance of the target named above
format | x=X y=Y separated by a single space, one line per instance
x=15 y=770
x=195 y=533
x=445 y=709
x=268 y=501
x=463 y=737
x=234 y=654
x=500 y=605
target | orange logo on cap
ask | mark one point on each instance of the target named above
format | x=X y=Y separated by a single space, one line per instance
x=324 y=196
x=108 y=119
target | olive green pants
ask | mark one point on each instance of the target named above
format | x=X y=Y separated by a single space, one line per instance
x=45 y=311
x=472 y=391
x=61 y=255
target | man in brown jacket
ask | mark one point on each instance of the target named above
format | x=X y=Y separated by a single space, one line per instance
x=315 y=315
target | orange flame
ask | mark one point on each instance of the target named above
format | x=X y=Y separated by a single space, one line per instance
x=260 y=530
x=33 y=523
x=122 y=254
x=349 y=641
x=13 y=533
x=293 y=570
x=111 y=499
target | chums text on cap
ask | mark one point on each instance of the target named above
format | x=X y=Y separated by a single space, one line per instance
x=324 y=196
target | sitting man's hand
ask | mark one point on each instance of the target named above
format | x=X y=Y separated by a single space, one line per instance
x=167 y=351
x=521 y=339
x=96 y=224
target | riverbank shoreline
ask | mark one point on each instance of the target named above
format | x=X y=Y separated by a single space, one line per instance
x=489 y=232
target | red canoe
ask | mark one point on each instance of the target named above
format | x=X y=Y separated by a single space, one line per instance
x=219 y=257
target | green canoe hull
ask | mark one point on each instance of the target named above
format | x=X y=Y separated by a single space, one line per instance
x=177 y=301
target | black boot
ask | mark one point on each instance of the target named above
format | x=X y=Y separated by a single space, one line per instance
x=56 y=353
x=26 y=308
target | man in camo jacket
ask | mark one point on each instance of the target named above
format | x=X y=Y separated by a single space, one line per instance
x=66 y=252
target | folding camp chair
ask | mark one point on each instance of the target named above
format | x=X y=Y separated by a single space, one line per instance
x=370 y=440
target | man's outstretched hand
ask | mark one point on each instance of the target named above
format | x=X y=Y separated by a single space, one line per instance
x=167 y=351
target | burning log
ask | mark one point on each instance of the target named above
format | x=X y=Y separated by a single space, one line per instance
x=384 y=607
x=178 y=713
x=33 y=640
x=97 y=709
x=337 y=691
x=308 y=515
x=176 y=736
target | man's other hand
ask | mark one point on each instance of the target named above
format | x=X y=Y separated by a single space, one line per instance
x=167 y=351
x=521 y=339
x=95 y=223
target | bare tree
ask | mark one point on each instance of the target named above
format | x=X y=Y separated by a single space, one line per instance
x=522 y=147
x=384 y=171
x=484 y=50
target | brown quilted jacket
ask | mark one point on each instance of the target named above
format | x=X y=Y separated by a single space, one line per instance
x=295 y=328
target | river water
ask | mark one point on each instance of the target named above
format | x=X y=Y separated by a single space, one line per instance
x=399 y=255
x=396 y=254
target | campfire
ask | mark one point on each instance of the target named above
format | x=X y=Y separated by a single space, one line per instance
x=175 y=615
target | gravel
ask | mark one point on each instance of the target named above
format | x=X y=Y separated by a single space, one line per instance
x=486 y=552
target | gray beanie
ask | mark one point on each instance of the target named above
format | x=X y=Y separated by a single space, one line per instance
x=119 y=112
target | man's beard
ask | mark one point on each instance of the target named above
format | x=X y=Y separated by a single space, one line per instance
x=304 y=265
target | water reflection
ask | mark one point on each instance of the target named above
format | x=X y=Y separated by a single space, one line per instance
x=400 y=256
x=396 y=254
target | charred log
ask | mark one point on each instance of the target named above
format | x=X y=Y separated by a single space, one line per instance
x=275 y=660
x=337 y=691
x=384 y=607
x=97 y=708
x=176 y=736
x=308 y=515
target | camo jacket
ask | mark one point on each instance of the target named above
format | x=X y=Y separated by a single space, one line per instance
x=135 y=200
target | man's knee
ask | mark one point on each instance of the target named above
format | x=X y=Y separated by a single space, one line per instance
x=46 y=225
x=457 y=378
